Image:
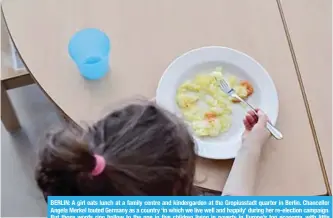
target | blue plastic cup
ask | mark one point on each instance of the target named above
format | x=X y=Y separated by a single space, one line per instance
x=90 y=50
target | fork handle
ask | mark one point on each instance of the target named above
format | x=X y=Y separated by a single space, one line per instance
x=274 y=131
x=271 y=128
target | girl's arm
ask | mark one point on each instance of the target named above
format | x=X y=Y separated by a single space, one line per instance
x=242 y=177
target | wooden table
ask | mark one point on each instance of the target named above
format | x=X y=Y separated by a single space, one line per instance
x=146 y=36
x=310 y=27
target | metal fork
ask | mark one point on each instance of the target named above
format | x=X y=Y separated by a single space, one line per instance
x=232 y=93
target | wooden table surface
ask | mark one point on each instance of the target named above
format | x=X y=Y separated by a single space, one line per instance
x=146 y=36
x=310 y=26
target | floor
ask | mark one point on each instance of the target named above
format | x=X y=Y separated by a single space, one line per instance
x=19 y=195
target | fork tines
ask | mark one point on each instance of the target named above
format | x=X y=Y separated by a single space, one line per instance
x=224 y=86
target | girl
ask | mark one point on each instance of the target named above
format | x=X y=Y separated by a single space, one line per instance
x=140 y=149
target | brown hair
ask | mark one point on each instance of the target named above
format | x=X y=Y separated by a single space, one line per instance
x=148 y=151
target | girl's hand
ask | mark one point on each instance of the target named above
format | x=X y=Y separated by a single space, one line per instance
x=255 y=134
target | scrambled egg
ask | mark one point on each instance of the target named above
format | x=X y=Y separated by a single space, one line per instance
x=204 y=106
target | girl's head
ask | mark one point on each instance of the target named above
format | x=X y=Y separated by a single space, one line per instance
x=147 y=151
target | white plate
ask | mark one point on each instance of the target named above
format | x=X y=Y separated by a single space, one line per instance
x=226 y=145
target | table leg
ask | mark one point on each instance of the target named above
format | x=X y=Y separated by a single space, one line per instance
x=8 y=115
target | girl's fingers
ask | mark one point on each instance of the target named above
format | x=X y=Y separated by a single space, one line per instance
x=250 y=119
x=263 y=119
x=255 y=118
x=253 y=114
x=247 y=124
